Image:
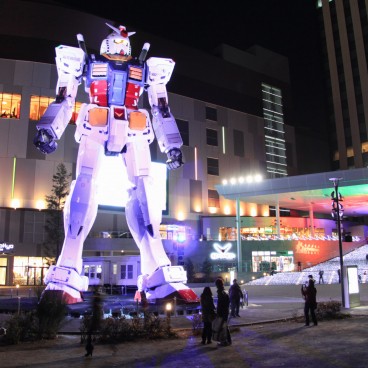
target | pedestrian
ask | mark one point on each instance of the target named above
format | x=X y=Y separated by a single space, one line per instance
x=222 y=312
x=309 y=293
x=299 y=266
x=208 y=314
x=339 y=275
x=89 y=346
x=321 y=272
x=235 y=294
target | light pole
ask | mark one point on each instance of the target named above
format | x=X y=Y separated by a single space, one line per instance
x=337 y=211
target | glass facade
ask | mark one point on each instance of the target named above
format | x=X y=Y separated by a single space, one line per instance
x=10 y=105
x=274 y=131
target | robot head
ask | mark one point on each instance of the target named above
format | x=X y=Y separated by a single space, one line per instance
x=117 y=43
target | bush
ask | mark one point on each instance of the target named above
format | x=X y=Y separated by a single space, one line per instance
x=51 y=311
x=197 y=324
x=330 y=310
x=120 y=329
x=22 y=327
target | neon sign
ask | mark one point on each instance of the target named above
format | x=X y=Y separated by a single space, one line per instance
x=222 y=252
x=4 y=247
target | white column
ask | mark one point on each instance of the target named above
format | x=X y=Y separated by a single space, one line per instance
x=238 y=237
x=311 y=219
x=278 y=218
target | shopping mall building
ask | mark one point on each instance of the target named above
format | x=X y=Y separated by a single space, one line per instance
x=232 y=109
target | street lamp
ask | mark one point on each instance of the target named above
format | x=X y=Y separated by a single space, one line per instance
x=168 y=308
x=337 y=212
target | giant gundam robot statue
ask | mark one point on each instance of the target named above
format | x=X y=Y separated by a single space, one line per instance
x=112 y=124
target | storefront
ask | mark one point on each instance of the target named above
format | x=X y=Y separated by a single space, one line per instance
x=30 y=271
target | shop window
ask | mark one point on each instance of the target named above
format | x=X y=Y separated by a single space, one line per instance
x=86 y=270
x=99 y=272
x=92 y=273
x=39 y=105
x=213 y=166
x=10 y=105
x=126 y=272
x=29 y=270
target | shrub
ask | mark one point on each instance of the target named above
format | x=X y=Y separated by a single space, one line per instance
x=51 y=311
x=197 y=324
x=330 y=310
x=120 y=329
x=22 y=327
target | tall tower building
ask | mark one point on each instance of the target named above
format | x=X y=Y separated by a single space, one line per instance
x=345 y=39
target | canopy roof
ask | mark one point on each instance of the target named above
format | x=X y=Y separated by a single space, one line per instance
x=304 y=192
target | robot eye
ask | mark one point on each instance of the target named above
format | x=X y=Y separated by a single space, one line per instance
x=119 y=41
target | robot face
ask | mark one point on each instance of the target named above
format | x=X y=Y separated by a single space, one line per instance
x=117 y=43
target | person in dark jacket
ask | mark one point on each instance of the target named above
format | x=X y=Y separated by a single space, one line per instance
x=222 y=310
x=309 y=293
x=208 y=314
x=235 y=294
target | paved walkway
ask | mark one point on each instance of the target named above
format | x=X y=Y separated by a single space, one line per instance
x=264 y=336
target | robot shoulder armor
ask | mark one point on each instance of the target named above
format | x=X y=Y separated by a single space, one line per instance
x=70 y=60
x=159 y=70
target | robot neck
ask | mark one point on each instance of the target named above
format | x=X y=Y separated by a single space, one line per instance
x=117 y=57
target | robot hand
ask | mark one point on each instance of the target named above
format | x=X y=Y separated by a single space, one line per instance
x=44 y=141
x=175 y=159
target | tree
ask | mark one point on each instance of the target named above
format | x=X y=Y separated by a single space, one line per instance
x=207 y=269
x=55 y=204
x=190 y=270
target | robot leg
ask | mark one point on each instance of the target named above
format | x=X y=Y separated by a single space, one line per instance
x=79 y=215
x=160 y=280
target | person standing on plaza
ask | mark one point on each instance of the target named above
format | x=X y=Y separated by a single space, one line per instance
x=208 y=314
x=222 y=311
x=235 y=294
x=309 y=293
x=321 y=272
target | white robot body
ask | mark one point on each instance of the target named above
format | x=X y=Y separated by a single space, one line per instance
x=112 y=124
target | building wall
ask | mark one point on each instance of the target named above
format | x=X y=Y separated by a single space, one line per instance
x=200 y=80
x=345 y=38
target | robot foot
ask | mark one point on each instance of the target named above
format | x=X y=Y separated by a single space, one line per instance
x=54 y=292
x=167 y=292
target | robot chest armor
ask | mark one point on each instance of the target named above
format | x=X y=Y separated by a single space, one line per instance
x=115 y=84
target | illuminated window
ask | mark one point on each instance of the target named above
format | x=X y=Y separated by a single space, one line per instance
x=213 y=198
x=274 y=131
x=39 y=105
x=10 y=105
x=86 y=270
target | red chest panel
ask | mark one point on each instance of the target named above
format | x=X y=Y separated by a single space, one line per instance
x=132 y=96
x=98 y=92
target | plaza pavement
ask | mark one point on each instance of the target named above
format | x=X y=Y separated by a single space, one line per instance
x=264 y=336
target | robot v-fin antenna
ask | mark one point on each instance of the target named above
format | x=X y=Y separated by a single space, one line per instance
x=119 y=31
x=113 y=28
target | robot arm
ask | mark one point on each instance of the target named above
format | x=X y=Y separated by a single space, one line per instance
x=164 y=124
x=70 y=63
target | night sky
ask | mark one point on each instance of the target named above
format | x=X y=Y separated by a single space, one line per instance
x=288 y=27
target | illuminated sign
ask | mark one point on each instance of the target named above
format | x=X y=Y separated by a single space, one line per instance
x=113 y=183
x=307 y=248
x=353 y=282
x=222 y=252
x=4 y=247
